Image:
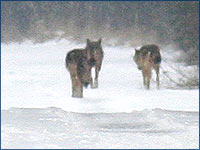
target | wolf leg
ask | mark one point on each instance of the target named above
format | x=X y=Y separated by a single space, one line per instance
x=77 y=87
x=144 y=78
x=96 y=77
x=92 y=77
x=157 y=68
x=97 y=70
x=148 y=79
x=148 y=83
x=94 y=81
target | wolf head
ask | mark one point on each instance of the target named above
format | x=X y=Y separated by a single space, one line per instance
x=138 y=58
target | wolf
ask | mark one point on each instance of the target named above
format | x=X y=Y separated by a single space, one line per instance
x=147 y=58
x=95 y=59
x=79 y=63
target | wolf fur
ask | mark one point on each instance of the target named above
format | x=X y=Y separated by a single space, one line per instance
x=96 y=59
x=148 y=58
x=79 y=63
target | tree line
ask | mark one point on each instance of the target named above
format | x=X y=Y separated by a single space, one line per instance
x=137 y=21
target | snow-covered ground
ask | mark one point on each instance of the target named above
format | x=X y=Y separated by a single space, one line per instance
x=55 y=128
x=38 y=111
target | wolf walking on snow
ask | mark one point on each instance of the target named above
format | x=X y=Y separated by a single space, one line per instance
x=147 y=58
x=79 y=63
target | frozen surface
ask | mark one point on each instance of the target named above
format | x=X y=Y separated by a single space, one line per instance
x=38 y=111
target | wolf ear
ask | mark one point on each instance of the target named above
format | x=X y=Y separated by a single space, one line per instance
x=100 y=40
x=88 y=41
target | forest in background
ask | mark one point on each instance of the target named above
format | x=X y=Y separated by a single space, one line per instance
x=136 y=22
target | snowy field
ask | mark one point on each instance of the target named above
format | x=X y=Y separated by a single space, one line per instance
x=38 y=111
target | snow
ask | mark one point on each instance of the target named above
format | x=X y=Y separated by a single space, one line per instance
x=39 y=112
x=54 y=128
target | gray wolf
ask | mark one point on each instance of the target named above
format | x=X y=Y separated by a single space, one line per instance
x=147 y=58
x=96 y=58
x=79 y=63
